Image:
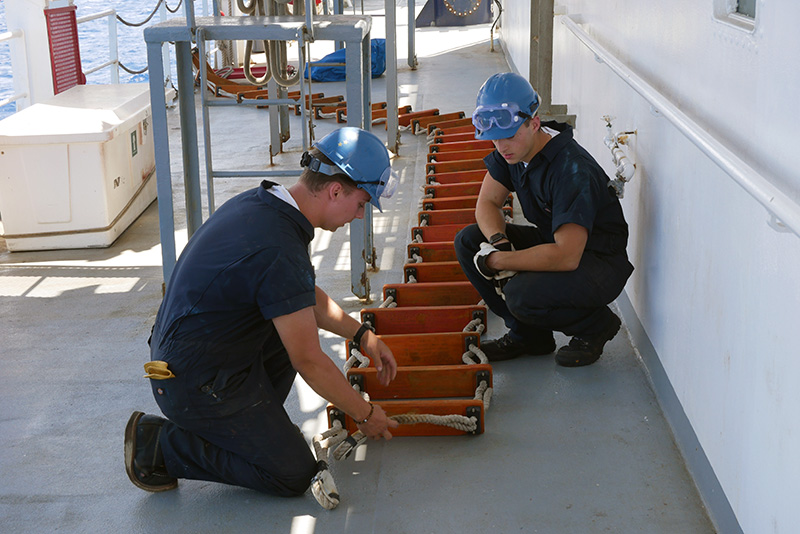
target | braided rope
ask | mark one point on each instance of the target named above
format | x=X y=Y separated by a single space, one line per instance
x=475 y=325
x=417 y=258
x=474 y=356
x=388 y=303
x=418 y=239
x=356 y=357
x=412 y=279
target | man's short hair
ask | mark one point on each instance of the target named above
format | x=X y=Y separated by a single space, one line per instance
x=316 y=181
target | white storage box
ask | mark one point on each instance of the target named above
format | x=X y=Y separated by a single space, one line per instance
x=77 y=169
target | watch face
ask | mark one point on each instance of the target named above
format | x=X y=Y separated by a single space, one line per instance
x=497 y=237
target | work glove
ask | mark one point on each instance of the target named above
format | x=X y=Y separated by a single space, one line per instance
x=498 y=278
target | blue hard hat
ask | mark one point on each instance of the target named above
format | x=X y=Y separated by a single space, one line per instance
x=360 y=155
x=504 y=101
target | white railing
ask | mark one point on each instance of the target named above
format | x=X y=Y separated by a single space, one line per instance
x=113 y=51
x=22 y=72
x=785 y=212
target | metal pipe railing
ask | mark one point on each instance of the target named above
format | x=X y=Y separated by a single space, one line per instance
x=785 y=212
x=7 y=36
x=113 y=49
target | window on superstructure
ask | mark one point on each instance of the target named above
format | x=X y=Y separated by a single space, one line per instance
x=746 y=8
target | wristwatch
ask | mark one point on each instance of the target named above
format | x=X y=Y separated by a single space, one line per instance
x=499 y=236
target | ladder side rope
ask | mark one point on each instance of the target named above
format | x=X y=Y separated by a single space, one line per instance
x=475 y=325
x=473 y=354
x=417 y=258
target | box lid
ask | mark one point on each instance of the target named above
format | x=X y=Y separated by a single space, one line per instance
x=82 y=114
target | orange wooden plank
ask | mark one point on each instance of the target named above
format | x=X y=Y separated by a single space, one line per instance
x=453 y=190
x=457 y=177
x=440 y=271
x=449 y=124
x=456 y=137
x=421 y=123
x=451 y=130
x=458 y=156
x=459 y=146
x=438 y=348
x=454 y=166
x=423 y=381
x=466 y=407
x=406 y=118
x=432 y=294
x=439 y=232
x=449 y=203
x=461 y=216
x=433 y=251
x=422 y=319
x=439 y=217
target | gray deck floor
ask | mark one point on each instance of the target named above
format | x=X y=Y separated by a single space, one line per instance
x=565 y=450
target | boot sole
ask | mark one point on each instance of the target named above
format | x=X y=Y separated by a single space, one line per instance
x=130 y=454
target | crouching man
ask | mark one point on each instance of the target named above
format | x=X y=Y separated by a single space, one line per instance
x=240 y=319
x=561 y=273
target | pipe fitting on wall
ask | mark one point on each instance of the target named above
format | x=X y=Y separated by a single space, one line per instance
x=624 y=167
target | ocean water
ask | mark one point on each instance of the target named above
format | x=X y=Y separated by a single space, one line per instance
x=93 y=41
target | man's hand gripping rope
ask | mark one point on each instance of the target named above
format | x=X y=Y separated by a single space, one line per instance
x=498 y=278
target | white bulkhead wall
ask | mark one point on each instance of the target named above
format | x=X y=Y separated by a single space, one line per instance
x=716 y=289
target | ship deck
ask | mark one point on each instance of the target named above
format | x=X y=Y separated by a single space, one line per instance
x=564 y=450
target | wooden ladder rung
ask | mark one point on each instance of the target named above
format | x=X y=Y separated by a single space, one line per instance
x=459 y=156
x=433 y=251
x=432 y=294
x=421 y=123
x=422 y=319
x=439 y=232
x=440 y=271
x=457 y=177
x=423 y=381
x=467 y=130
x=460 y=146
x=465 y=122
x=461 y=216
x=450 y=203
x=438 y=348
x=406 y=118
x=465 y=407
x=455 y=166
x=453 y=190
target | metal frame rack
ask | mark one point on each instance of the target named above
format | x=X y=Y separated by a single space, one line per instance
x=354 y=31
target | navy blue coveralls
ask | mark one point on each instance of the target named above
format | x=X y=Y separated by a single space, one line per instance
x=246 y=265
x=562 y=184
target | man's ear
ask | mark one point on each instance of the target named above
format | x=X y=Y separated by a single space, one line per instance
x=334 y=190
x=536 y=122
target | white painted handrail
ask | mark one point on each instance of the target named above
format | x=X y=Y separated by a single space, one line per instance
x=113 y=50
x=785 y=211
x=7 y=36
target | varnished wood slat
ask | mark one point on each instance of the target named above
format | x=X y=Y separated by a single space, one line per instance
x=457 y=177
x=440 y=271
x=422 y=319
x=460 y=146
x=453 y=190
x=440 y=232
x=423 y=381
x=433 y=251
x=406 y=118
x=464 y=134
x=449 y=203
x=465 y=122
x=459 y=293
x=454 y=166
x=422 y=123
x=439 y=348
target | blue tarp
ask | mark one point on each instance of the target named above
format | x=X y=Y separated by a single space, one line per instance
x=336 y=74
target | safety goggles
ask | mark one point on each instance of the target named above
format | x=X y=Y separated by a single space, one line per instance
x=504 y=116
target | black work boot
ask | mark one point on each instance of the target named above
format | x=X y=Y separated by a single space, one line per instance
x=506 y=348
x=585 y=350
x=144 y=461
